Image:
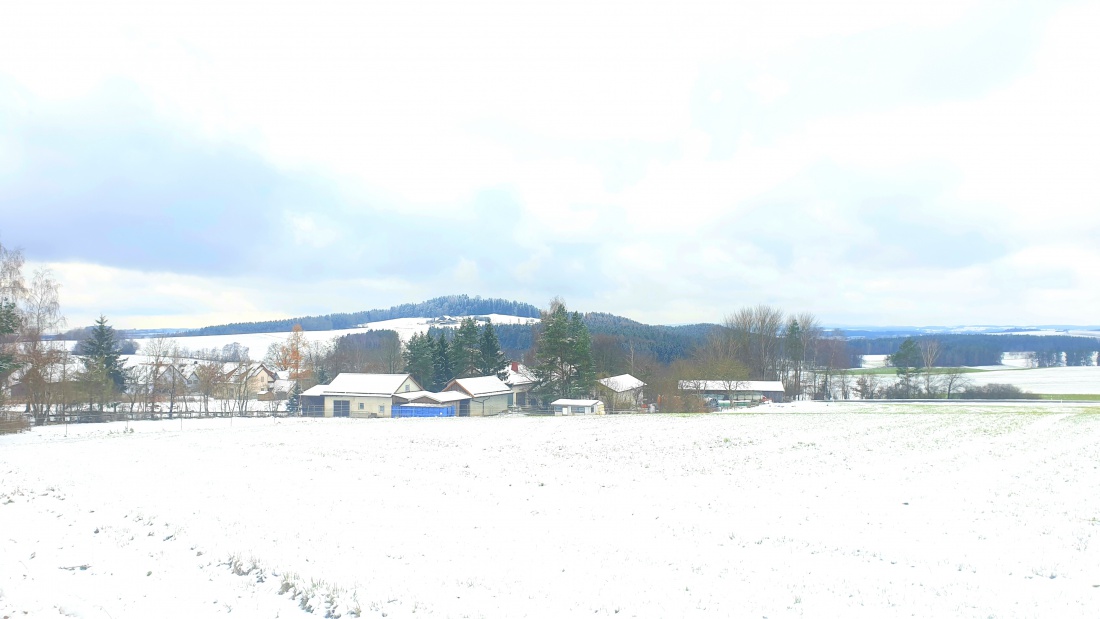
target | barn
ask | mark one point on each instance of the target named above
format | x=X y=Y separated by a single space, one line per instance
x=357 y=395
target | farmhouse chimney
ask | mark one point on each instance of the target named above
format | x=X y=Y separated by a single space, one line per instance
x=515 y=366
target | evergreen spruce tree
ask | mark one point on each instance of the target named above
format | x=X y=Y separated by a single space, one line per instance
x=564 y=366
x=420 y=359
x=9 y=326
x=100 y=351
x=293 y=402
x=584 y=369
x=465 y=354
x=443 y=370
x=490 y=359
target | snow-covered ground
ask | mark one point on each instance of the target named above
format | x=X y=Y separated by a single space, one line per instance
x=875 y=361
x=1080 y=379
x=849 y=510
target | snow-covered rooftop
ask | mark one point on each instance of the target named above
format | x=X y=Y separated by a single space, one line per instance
x=441 y=397
x=622 y=383
x=519 y=376
x=360 y=384
x=482 y=386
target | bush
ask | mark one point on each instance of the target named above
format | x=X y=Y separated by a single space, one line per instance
x=997 y=391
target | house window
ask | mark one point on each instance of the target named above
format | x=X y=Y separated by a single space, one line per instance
x=360 y=406
x=406 y=387
x=381 y=409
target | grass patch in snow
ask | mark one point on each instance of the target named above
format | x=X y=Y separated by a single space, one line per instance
x=1088 y=397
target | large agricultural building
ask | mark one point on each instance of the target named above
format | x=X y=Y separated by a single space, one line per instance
x=399 y=395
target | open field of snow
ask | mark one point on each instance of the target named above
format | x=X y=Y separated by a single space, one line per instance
x=1058 y=380
x=1081 y=379
x=853 y=510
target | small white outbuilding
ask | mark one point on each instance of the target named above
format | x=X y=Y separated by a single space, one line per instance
x=566 y=406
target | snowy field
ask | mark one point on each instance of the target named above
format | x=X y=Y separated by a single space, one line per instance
x=1063 y=380
x=848 y=510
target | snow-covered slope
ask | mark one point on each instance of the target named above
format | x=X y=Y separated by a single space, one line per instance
x=258 y=343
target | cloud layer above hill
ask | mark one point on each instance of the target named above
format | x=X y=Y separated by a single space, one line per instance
x=874 y=162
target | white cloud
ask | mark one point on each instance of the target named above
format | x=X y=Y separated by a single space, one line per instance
x=600 y=123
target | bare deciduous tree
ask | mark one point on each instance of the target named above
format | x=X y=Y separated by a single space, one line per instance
x=955 y=380
x=37 y=356
x=930 y=353
x=756 y=331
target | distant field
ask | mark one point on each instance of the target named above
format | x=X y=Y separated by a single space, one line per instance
x=1062 y=382
x=892 y=370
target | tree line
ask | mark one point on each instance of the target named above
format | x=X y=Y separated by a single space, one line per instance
x=964 y=349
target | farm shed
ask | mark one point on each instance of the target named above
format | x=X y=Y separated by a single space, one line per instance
x=734 y=391
x=577 y=407
x=357 y=395
x=623 y=392
x=488 y=395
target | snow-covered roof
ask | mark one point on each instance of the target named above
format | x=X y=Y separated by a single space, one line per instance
x=361 y=384
x=316 y=390
x=520 y=376
x=251 y=368
x=442 y=397
x=568 y=402
x=448 y=396
x=729 y=385
x=622 y=383
x=411 y=395
x=480 y=386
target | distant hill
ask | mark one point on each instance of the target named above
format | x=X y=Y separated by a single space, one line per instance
x=454 y=305
x=615 y=333
x=660 y=342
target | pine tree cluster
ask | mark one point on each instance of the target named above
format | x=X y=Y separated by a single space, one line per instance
x=439 y=356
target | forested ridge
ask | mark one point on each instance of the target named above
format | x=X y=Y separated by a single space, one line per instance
x=453 y=305
x=616 y=336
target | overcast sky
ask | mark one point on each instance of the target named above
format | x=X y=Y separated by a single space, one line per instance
x=191 y=163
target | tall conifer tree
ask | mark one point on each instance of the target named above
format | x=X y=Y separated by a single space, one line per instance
x=443 y=370
x=100 y=351
x=491 y=360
